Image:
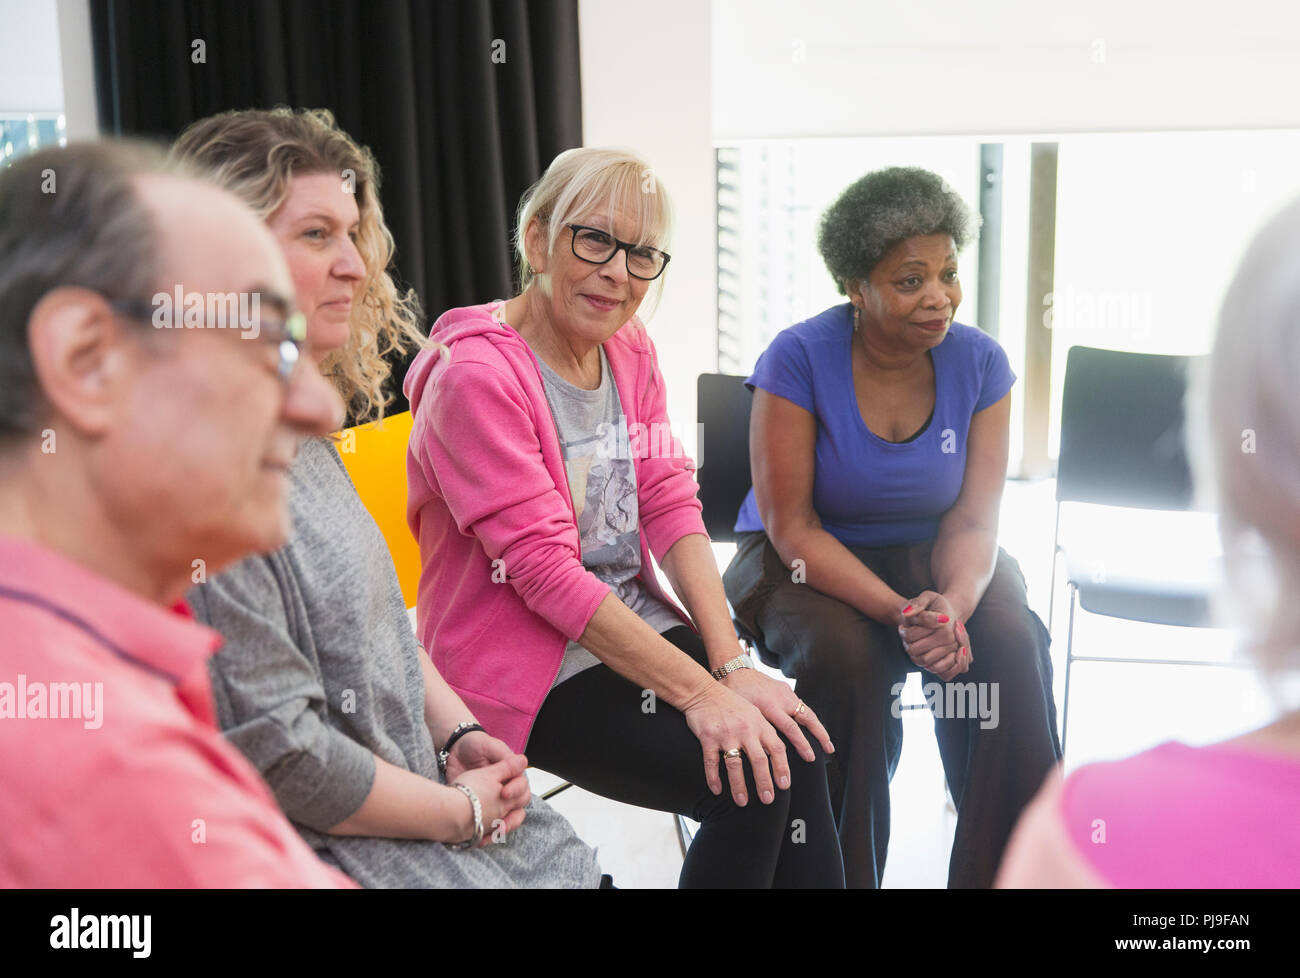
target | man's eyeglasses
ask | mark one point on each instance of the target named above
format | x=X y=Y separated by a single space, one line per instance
x=597 y=247
x=283 y=327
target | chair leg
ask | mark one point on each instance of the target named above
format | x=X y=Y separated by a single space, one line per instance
x=547 y=796
x=1069 y=662
x=1056 y=556
x=684 y=834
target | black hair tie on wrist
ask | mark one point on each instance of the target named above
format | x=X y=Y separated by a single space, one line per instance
x=460 y=731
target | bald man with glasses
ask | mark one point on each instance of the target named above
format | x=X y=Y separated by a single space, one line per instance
x=134 y=461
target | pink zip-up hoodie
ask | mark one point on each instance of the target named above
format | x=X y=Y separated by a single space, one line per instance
x=502 y=586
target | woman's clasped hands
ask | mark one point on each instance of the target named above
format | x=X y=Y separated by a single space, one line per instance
x=933 y=637
x=496 y=775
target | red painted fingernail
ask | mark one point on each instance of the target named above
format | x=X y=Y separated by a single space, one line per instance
x=964 y=653
x=943 y=619
x=907 y=609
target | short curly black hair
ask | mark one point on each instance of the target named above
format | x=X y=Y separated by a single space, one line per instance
x=883 y=208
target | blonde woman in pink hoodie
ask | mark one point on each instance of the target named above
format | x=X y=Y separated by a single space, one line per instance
x=544 y=481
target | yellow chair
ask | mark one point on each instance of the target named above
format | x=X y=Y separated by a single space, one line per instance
x=375 y=456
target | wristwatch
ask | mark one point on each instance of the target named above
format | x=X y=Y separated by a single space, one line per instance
x=742 y=661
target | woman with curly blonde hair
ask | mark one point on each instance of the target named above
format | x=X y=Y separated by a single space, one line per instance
x=321 y=682
x=256 y=154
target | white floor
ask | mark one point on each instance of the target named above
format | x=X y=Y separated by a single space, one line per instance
x=1115 y=709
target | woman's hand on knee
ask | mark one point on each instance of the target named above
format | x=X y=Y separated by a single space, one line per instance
x=729 y=729
x=782 y=708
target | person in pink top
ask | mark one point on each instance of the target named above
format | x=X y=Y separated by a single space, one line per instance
x=1220 y=816
x=134 y=459
x=544 y=483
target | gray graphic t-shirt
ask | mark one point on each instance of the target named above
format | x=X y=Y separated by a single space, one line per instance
x=602 y=483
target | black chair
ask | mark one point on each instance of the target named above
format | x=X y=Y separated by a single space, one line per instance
x=723 y=404
x=1122 y=429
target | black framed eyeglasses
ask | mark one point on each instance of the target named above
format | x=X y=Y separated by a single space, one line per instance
x=286 y=328
x=597 y=247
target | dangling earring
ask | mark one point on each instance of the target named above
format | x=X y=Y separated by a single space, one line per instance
x=857 y=316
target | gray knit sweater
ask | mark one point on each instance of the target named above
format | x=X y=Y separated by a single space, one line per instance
x=319 y=673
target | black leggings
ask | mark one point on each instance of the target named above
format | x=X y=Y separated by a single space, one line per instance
x=597 y=730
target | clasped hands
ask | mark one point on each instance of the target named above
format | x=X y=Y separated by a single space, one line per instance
x=496 y=775
x=933 y=637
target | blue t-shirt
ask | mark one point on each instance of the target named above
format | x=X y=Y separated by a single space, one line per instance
x=869 y=492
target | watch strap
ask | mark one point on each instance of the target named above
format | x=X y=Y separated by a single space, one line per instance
x=742 y=661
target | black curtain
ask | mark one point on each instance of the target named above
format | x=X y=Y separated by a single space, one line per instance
x=463 y=102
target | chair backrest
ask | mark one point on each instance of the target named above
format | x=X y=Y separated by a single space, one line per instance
x=375 y=456
x=723 y=404
x=1122 y=427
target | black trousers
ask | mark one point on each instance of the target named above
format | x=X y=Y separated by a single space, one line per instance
x=597 y=730
x=848 y=668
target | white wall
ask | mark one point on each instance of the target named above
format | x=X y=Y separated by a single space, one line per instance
x=78 y=64
x=30 y=80
x=645 y=85
x=46 y=63
x=865 y=67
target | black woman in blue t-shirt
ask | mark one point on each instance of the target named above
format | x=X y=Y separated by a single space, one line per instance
x=868 y=544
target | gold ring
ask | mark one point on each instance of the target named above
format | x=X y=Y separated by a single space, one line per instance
x=800 y=710
x=734 y=752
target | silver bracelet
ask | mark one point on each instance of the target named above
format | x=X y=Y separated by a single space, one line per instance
x=477 y=837
x=742 y=661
